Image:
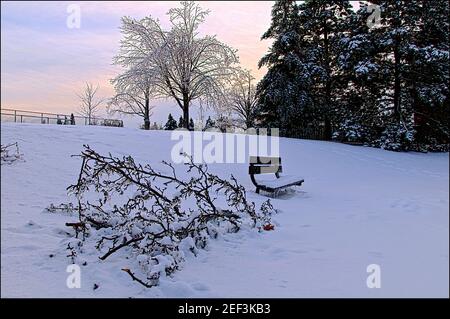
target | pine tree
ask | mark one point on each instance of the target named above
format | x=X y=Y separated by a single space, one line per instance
x=323 y=24
x=357 y=117
x=300 y=87
x=428 y=76
x=191 y=124
x=397 y=33
x=171 y=123
x=209 y=123
x=397 y=77
x=181 y=122
x=384 y=86
x=280 y=92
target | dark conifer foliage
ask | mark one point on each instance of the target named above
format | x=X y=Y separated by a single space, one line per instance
x=171 y=123
x=382 y=84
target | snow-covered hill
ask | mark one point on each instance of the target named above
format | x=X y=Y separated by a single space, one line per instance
x=358 y=206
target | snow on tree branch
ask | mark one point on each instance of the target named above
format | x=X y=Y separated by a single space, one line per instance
x=133 y=93
x=183 y=66
x=6 y=156
x=156 y=217
x=240 y=98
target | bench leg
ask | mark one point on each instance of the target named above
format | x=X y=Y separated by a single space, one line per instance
x=257 y=190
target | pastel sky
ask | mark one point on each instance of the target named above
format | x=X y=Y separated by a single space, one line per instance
x=44 y=63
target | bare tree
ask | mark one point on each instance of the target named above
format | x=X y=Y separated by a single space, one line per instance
x=89 y=102
x=240 y=98
x=133 y=92
x=181 y=64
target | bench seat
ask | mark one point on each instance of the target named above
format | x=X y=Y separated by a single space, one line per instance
x=263 y=165
x=282 y=182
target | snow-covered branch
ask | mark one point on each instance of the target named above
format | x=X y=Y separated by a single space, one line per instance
x=183 y=65
x=240 y=98
x=133 y=93
x=10 y=153
x=157 y=216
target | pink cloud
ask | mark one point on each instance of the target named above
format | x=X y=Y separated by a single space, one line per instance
x=43 y=68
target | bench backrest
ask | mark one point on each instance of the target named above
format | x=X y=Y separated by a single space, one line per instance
x=264 y=165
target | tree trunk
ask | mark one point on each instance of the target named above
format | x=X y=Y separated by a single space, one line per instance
x=147 y=112
x=248 y=123
x=186 y=111
x=250 y=116
x=328 y=130
x=397 y=111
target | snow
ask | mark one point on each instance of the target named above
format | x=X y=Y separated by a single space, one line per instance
x=279 y=182
x=358 y=206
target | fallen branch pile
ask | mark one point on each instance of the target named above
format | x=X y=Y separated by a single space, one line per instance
x=155 y=217
x=10 y=153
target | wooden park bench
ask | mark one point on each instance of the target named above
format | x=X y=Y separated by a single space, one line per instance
x=271 y=165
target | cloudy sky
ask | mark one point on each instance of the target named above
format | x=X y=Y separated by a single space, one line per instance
x=44 y=63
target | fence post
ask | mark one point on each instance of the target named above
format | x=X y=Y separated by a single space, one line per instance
x=15 y=115
x=21 y=118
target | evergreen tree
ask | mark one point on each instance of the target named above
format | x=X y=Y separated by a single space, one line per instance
x=171 y=123
x=323 y=24
x=384 y=85
x=397 y=77
x=428 y=76
x=191 y=124
x=181 y=122
x=300 y=87
x=394 y=38
x=357 y=115
x=280 y=92
x=209 y=123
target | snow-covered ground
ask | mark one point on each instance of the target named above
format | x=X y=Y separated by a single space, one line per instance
x=358 y=206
